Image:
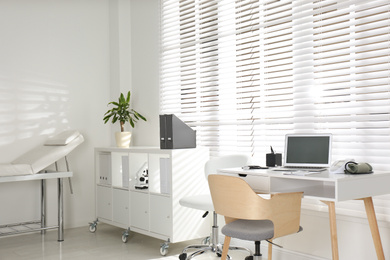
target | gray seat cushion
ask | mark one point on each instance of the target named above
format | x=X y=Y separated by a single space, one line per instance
x=253 y=230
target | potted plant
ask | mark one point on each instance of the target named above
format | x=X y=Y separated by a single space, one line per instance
x=121 y=112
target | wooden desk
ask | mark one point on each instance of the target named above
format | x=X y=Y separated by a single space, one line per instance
x=42 y=177
x=326 y=187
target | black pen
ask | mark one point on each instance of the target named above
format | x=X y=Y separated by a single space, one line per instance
x=272 y=150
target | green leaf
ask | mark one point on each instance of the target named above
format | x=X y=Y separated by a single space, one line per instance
x=128 y=98
x=122 y=98
x=139 y=115
x=114 y=103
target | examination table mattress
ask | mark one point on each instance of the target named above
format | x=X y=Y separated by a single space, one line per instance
x=41 y=157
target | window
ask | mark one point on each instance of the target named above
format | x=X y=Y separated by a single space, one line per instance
x=244 y=73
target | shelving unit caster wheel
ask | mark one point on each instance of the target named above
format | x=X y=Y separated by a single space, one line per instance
x=93 y=226
x=125 y=236
x=183 y=256
x=164 y=249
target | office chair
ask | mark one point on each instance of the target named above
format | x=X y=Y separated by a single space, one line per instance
x=249 y=216
x=204 y=202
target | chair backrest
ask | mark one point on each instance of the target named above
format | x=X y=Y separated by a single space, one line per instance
x=234 y=198
x=226 y=161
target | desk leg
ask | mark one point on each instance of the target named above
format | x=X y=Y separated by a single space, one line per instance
x=333 y=229
x=370 y=211
x=43 y=206
x=60 y=211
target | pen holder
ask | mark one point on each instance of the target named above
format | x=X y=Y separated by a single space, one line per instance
x=273 y=159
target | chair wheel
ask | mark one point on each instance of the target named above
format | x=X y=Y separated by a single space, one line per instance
x=249 y=257
x=183 y=256
x=206 y=241
x=218 y=252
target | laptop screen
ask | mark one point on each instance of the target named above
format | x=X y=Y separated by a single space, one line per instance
x=308 y=150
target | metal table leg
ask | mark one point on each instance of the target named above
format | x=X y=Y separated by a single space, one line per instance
x=60 y=211
x=43 y=206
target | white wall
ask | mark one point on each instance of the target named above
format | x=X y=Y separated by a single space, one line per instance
x=145 y=17
x=54 y=75
x=134 y=63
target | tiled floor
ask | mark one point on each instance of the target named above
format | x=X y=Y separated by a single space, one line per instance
x=105 y=243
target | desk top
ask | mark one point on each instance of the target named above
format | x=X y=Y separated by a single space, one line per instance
x=319 y=185
x=320 y=176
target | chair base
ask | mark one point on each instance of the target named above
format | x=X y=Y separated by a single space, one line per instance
x=253 y=257
x=217 y=249
x=257 y=255
x=214 y=246
x=202 y=249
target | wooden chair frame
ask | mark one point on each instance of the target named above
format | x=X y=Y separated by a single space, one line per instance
x=234 y=199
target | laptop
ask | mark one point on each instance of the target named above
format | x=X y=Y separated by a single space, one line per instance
x=307 y=152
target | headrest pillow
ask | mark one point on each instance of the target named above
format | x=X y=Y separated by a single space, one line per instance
x=63 y=138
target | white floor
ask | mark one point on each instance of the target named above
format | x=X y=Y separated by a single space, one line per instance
x=105 y=243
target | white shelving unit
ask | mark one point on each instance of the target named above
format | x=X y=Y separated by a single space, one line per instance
x=154 y=211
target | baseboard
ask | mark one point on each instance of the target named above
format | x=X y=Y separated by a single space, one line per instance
x=277 y=252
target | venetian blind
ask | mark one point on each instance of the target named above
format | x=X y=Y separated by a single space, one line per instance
x=244 y=73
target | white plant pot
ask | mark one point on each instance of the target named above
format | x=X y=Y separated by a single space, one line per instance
x=123 y=139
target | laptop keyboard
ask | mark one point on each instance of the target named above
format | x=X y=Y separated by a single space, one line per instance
x=300 y=168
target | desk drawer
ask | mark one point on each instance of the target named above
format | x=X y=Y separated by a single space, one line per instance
x=258 y=183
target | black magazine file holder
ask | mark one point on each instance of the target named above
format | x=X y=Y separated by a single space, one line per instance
x=175 y=134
